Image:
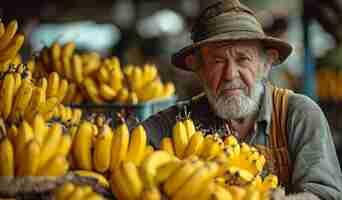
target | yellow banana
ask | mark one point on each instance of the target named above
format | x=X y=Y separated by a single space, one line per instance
x=137 y=145
x=7 y=95
x=116 y=80
x=77 y=68
x=53 y=85
x=30 y=163
x=240 y=175
x=148 y=150
x=122 y=95
x=195 y=145
x=130 y=172
x=51 y=143
x=56 y=52
x=179 y=177
x=12 y=134
x=237 y=192
x=17 y=80
x=57 y=166
x=37 y=99
x=82 y=146
x=151 y=194
x=99 y=177
x=150 y=73
x=269 y=182
x=6 y=157
x=47 y=108
x=12 y=49
x=25 y=134
x=92 y=64
x=40 y=129
x=43 y=83
x=103 y=75
x=102 y=149
x=190 y=127
x=122 y=184
x=119 y=146
x=132 y=98
x=136 y=79
x=64 y=191
x=166 y=144
x=106 y=92
x=62 y=90
x=253 y=194
x=68 y=49
x=150 y=165
x=2 y=29
x=198 y=181
x=9 y=34
x=92 y=90
x=180 y=138
x=76 y=116
x=206 y=193
x=22 y=99
x=64 y=144
x=221 y=193
x=164 y=171
x=72 y=90
x=66 y=62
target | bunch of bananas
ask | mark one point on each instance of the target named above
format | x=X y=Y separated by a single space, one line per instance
x=34 y=149
x=66 y=115
x=72 y=191
x=10 y=43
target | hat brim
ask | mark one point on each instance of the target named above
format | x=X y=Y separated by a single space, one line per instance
x=284 y=49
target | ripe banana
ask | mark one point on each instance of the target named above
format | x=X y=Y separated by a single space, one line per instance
x=77 y=68
x=57 y=166
x=166 y=144
x=38 y=99
x=106 y=92
x=122 y=184
x=56 y=52
x=40 y=129
x=2 y=29
x=62 y=90
x=17 y=80
x=151 y=194
x=12 y=49
x=119 y=146
x=25 y=134
x=168 y=89
x=150 y=165
x=66 y=62
x=12 y=133
x=92 y=63
x=237 y=192
x=122 y=95
x=148 y=150
x=135 y=185
x=137 y=145
x=92 y=90
x=8 y=35
x=195 y=145
x=102 y=149
x=30 y=163
x=116 y=80
x=82 y=146
x=99 y=177
x=53 y=85
x=198 y=181
x=180 y=138
x=72 y=90
x=180 y=176
x=6 y=157
x=103 y=75
x=68 y=49
x=64 y=144
x=132 y=98
x=7 y=95
x=164 y=171
x=51 y=144
x=190 y=127
x=64 y=191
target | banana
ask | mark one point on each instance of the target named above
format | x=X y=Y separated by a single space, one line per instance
x=136 y=81
x=190 y=127
x=93 y=64
x=22 y=99
x=2 y=29
x=166 y=144
x=137 y=145
x=151 y=194
x=164 y=171
x=197 y=182
x=212 y=148
x=17 y=80
x=150 y=165
x=30 y=163
x=43 y=83
x=6 y=157
x=9 y=34
x=72 y=90
x=122 y=184
x=62 y=90
x=99 y=177
x=51 y=143
x=25 y=134
x=206 y=193
x=116 y=80
x=148 y=150
x=180 y=138
x=103 y=75
x=37 y=99
x=92 y=90
x=106 y=92
x=76 y=116
x=150 y=73
x=77 y=68
x=131 y=173
x=78 y=193
x=82 y=146
x=195 y=145
x=237 y=192
x=57 y=166
x=56 y=52
x=240 y=175
x=12 y=134
x=40 y=129
x=13 y=48
x=269 y=182
x=220 y=193
x=47 y=108
x=66 y=62
x=132 y=98
x=68 y=49
x=64 y=191
x=180 y=176
x=53 y=85
x=7 y=95
x=64 y=144
x=122 y=95
x=102 y=149
x=119 y=146
x=128 y=69
x=253 y=194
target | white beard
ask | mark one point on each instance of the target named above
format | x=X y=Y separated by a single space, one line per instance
x=235 y=107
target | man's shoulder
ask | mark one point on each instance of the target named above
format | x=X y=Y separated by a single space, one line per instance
x=302 y=103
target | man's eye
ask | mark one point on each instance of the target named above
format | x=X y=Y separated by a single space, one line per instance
x=219 y=61
x=243 y=59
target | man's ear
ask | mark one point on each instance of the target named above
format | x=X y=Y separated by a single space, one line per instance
x=272 y=56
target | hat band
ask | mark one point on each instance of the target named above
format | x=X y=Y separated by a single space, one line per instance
x=226 y=23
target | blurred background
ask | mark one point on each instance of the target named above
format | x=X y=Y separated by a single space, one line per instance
x=150 y=31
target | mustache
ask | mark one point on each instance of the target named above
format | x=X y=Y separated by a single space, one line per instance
x=233 y=84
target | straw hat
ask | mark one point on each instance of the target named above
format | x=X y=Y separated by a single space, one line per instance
x=229 y=20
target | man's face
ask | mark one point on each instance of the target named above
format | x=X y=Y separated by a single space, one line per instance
x=232 y=75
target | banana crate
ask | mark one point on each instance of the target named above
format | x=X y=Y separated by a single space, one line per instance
x=140 y=111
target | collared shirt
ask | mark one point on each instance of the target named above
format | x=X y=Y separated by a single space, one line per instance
x=311 y=148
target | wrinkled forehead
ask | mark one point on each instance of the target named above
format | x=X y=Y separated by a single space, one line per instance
x=248 y=47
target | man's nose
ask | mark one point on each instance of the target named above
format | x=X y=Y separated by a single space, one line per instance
x=230 y=71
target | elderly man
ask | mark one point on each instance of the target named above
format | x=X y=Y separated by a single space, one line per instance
x=232 y=57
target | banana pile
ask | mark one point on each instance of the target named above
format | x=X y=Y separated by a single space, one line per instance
x=70 y=191
x=10 y=43
x=34 y=149
x=100 y=80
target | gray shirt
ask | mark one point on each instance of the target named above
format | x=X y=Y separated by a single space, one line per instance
x=315 y=165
